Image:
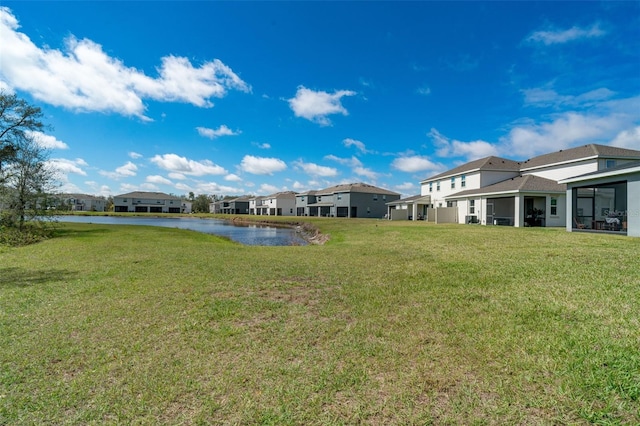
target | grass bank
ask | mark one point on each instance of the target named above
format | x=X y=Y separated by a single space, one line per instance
x=387 y=323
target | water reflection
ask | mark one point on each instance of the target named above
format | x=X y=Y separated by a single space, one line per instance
x=248 y=234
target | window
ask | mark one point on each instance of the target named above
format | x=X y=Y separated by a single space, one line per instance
x=339 y=196
x=463 y=181
x=384 y=198
x=438 y=186
x=375 y=197
x=302 y=198
x=290 y=210
x=453 y=182
x=554 y=206
x=319 y=198
x=610 y=163
x=472 y=206
x=430 y=187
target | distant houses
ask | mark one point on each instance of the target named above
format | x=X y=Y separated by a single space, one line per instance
x=80 y=202
x=592 y=188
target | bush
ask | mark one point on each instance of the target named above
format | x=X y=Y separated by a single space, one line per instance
x=30 y=234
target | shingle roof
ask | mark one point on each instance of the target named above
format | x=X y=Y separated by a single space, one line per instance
x=522 y=183
x=282 y=194
x=426 y=198
x=154 y=195
x=356 y=187
x=578 y=153
x=85 y=196
x=486 y=163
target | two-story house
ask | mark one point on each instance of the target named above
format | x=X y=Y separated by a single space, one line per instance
x=147 y=202
x=346 y=200
x=278 y=204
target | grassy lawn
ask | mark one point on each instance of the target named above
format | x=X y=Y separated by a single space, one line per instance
x=387 y=323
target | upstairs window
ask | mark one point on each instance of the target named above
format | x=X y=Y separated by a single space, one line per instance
x=610 y=163
x=463 y=181
x=430 y=186
x=375 y=197
x=438 y=186
x=453 y=182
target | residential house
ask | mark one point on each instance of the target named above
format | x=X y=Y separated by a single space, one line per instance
x=278 y=204
x=529 y=193
x=83 y=202
x=346 y=200
x=147 y=202
x=415 y=207
x=607 y=200
x=235 y=205
x=254 y=205
x=303 y=201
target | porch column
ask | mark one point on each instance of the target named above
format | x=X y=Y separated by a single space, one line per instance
x=414 y=208
x=518 y=214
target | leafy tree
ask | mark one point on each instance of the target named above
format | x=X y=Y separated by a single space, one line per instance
x=201 y=203
x=28 y=183
x=17 y=119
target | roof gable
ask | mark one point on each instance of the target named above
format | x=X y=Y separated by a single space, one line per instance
x=491 y=163
x=356 y=187
x=579 y=153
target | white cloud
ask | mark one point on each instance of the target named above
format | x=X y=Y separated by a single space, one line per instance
x=298 y=186
x=158 y=179
x=348 y=142
x=127 y=170
x=65 y=166
x=563 y=36
x=262 y=165
x=455 y=148
x=565 y=130
x=315 y=169
x=176 y=164
x=47 y=141
x=542 y=97
x=262 y=145
x=134 y=155
x=233 y=178
x=266 y=189
x=405 y=186
x=223 y=130
x=177 y=176
x=366 y=172
x=316 y=106
x=214 y=188
x=414 y=163
x=628 y=138
x=424 y=90
x=83 y=77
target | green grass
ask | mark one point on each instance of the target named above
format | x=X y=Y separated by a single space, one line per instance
x=387 y=323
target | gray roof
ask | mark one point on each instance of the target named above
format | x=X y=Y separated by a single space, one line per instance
x=522 y=183
x=426 y=198
x=486 y=163
x=154 y=195
x=356 y=187
x=579 y=153
x=85 y=196
x=312 y=192
x=283 y=194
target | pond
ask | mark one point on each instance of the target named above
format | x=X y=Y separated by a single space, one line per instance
x=248 y=234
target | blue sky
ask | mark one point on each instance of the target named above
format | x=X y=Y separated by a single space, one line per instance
x=258 y=97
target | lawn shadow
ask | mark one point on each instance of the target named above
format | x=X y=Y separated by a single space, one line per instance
x=21 y=277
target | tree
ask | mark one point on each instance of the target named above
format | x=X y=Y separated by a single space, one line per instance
x=28 y=183
x=201 y=203
x=17 y=119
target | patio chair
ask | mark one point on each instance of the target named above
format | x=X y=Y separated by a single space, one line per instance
x=578 y=224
